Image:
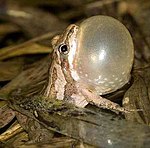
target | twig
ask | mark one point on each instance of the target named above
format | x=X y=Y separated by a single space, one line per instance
x=101 y=3
x=11 y=132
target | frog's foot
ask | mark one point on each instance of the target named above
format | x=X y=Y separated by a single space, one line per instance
x=101 y=102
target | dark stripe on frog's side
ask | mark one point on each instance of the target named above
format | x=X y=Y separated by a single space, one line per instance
x=50 y=88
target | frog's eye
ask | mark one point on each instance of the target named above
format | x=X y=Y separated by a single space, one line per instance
x=63 y=48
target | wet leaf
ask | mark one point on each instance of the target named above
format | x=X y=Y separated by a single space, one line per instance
x=97 y=129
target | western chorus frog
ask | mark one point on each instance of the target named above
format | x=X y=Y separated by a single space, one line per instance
x=90 y=60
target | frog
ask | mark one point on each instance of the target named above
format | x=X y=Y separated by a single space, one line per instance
x=90 y=60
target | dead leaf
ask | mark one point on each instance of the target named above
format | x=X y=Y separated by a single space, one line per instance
x=10 y=69
x=137 y=98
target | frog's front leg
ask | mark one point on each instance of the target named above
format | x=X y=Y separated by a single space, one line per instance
x=99 y=101
x=85 y=96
